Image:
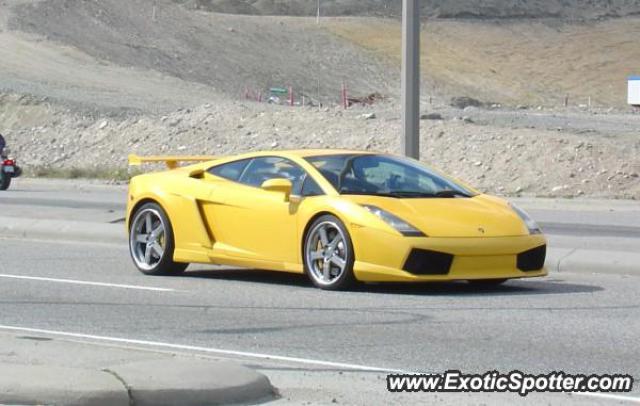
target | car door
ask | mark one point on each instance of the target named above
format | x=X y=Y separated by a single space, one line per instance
x=257 y=224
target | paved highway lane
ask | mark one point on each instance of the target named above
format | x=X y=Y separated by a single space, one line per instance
x=573 y=322
x=577 y=322
x=78 y=200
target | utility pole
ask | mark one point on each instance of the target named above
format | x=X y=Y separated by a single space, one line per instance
x=411 y=78
x=318 y=14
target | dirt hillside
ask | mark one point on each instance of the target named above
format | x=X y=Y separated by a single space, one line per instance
x=477 y=9
x=515 y=62
x=83 y=83
x=227 y=54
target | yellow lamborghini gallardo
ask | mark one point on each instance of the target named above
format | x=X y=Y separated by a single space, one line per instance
x=338 y=216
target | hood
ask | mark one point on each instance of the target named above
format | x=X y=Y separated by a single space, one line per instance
x=479 y=216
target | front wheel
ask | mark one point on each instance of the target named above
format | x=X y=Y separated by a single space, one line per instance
x=5 y=180
x=151 y=242
x=328 y=254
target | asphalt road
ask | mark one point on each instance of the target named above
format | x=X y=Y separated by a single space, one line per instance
x=571 y=322
x=328 y=346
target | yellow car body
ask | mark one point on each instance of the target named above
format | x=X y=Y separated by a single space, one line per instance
x=219 y=221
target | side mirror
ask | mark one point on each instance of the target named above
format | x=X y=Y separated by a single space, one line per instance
x=197 y=173
x=279 y=185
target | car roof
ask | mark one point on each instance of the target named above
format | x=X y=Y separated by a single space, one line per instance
x=304 y=153
x=297 y=153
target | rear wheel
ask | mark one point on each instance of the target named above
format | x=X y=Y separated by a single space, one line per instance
x=487 y=282
x=5 y=180
x=151 y=242
x=328 y=254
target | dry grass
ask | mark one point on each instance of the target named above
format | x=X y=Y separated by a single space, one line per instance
x=514 y=62
x=79 y=173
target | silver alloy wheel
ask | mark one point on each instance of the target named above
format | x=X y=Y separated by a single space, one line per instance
x=326 y=253
x=147 y=240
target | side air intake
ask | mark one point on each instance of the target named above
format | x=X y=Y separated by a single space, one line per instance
x=425 y=262
x=532 y=260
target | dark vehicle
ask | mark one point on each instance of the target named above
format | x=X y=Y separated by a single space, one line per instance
x=9 y=168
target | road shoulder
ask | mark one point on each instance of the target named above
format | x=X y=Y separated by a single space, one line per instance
x=45 y=370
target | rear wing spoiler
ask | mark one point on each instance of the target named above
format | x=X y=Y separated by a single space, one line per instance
x=170 y=161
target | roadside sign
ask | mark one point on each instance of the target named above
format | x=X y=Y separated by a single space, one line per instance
x=634 y=90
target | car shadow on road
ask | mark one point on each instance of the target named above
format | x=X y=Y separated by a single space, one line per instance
x=462 y=288
x=251 y=275
x=537 y=286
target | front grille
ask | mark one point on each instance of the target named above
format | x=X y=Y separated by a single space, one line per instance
x=425 y=262
x=532 y=260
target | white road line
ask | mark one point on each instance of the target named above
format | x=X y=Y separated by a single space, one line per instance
x=208 y=350
x=77 y=282
x=609 y=396
x=296 y=360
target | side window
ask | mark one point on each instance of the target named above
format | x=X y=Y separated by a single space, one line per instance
x=310 y=188
x=231 y=170
x=265 y=168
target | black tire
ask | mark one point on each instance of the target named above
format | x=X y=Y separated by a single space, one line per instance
x=165 y=264
x=5 y=180
x=346 y=278
x=487 y=283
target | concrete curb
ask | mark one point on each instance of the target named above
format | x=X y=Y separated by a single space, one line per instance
x=593 y=261
x=158 y=383
x=18 y=227
x=43 y=385
x=182 y=382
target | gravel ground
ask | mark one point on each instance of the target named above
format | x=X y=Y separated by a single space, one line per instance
x=498 y=152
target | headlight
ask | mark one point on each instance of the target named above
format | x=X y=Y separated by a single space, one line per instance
x=533 y=227
x=396 y=222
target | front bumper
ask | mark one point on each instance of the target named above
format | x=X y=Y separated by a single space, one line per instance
x=385 y=257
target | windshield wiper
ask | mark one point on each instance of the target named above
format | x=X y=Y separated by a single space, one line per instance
x=407 y=194
x=410 y=193
x=397 y=194
x=443 y=193
x=451 y=193
x=350 y=192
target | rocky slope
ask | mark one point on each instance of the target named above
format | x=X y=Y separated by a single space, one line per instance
x=478 y=9
x=513 y=160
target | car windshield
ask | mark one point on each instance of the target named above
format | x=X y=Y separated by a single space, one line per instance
x=383 y=175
